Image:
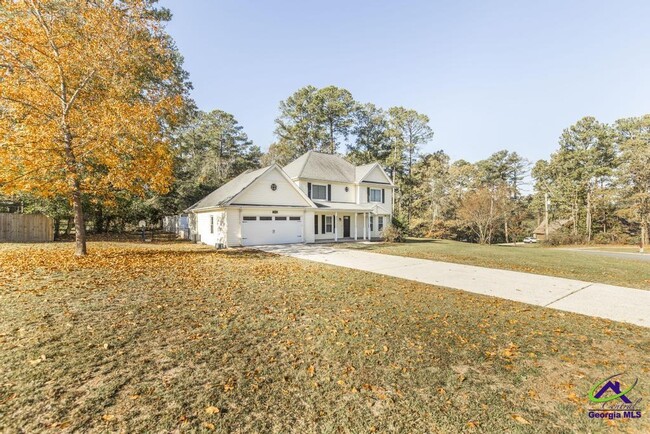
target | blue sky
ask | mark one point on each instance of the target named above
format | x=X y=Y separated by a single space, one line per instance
x=489 y=74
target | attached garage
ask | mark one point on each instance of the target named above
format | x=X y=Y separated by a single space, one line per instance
x=256 y=208
x=277 y=229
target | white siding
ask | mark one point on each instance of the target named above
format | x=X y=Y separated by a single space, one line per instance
x=260 y=193
x=376 y=175
x=320 y=235
x=338 y=190
x=218 y=235
x=309 y=227
x=234 y=227
x=388 y=191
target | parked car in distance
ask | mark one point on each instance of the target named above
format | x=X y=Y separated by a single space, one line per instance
x=529 y=240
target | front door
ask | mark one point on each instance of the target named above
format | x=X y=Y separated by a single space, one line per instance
x=346 y=226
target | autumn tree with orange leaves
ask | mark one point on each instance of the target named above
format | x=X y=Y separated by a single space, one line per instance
x=89 y=91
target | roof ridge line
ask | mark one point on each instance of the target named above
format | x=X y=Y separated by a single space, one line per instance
x=304 y=164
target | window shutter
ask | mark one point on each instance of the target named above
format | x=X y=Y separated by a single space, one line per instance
x=329 y=192
x=383 y=195
x=316 y=224
x=323 y=222
x=309 y=190
x=368 y=194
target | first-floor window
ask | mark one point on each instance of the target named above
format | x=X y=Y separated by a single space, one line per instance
x=328 y=224
x=371 y=224
x=380 y=223
x=211 y=224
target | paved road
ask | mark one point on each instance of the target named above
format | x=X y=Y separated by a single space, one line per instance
x=595 y=299
x=621 y=255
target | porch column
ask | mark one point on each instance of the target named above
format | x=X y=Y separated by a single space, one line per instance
x=355 y=225
x=364 y=225
x=336 y=226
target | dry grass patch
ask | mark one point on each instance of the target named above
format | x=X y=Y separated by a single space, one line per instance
x=142 y=338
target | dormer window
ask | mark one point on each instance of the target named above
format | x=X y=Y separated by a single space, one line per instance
x=375 y=195
x=319 y=192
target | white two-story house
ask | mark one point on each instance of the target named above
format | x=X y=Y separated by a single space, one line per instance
x=317 y=197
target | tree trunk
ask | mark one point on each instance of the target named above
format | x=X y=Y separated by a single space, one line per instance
x=505 y=228
x=57 y=227
x=67 y=226
x=79 y=223
x=588 y=218
x=99 y=220
x=574 y=214
x=77 y=205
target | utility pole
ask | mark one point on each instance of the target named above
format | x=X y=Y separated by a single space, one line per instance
x=546 y=216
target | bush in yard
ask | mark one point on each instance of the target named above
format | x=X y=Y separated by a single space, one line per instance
x=419 y=228
x=399 y=224
x=613 y=238
x=392 y=234
x=564 y=237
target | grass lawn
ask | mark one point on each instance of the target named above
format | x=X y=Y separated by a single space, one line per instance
x=529 y=259
x=177 y=337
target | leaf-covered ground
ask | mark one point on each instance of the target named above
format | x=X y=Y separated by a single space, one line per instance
x=529 y=259
x=164 y=338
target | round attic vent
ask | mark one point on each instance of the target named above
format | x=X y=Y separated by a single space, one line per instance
x=274 y=187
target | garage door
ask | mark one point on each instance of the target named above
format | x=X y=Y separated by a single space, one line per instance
x=258 y=230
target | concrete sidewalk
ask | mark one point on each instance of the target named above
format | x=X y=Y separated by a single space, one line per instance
x=595 y=299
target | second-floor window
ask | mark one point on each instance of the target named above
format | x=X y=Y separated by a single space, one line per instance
x=375 y=195
x=319 y=192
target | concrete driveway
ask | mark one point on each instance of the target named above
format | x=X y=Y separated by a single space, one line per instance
x=594 y=299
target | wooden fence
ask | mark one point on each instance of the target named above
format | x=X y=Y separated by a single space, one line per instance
x=25 y=228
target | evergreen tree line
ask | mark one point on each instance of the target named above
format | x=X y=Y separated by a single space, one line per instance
x=597 y=182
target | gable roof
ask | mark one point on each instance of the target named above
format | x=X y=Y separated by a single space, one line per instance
x=362 y=171
x=224 y=194
x=321 y=166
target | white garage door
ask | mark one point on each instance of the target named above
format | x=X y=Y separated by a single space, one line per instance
x=258 y=230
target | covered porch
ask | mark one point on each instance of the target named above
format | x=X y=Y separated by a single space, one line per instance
x=348 y=222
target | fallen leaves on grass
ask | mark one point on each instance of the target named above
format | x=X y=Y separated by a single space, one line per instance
x=271 y=336
x=212 y=410
x=520 y=419
x=510 y=351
